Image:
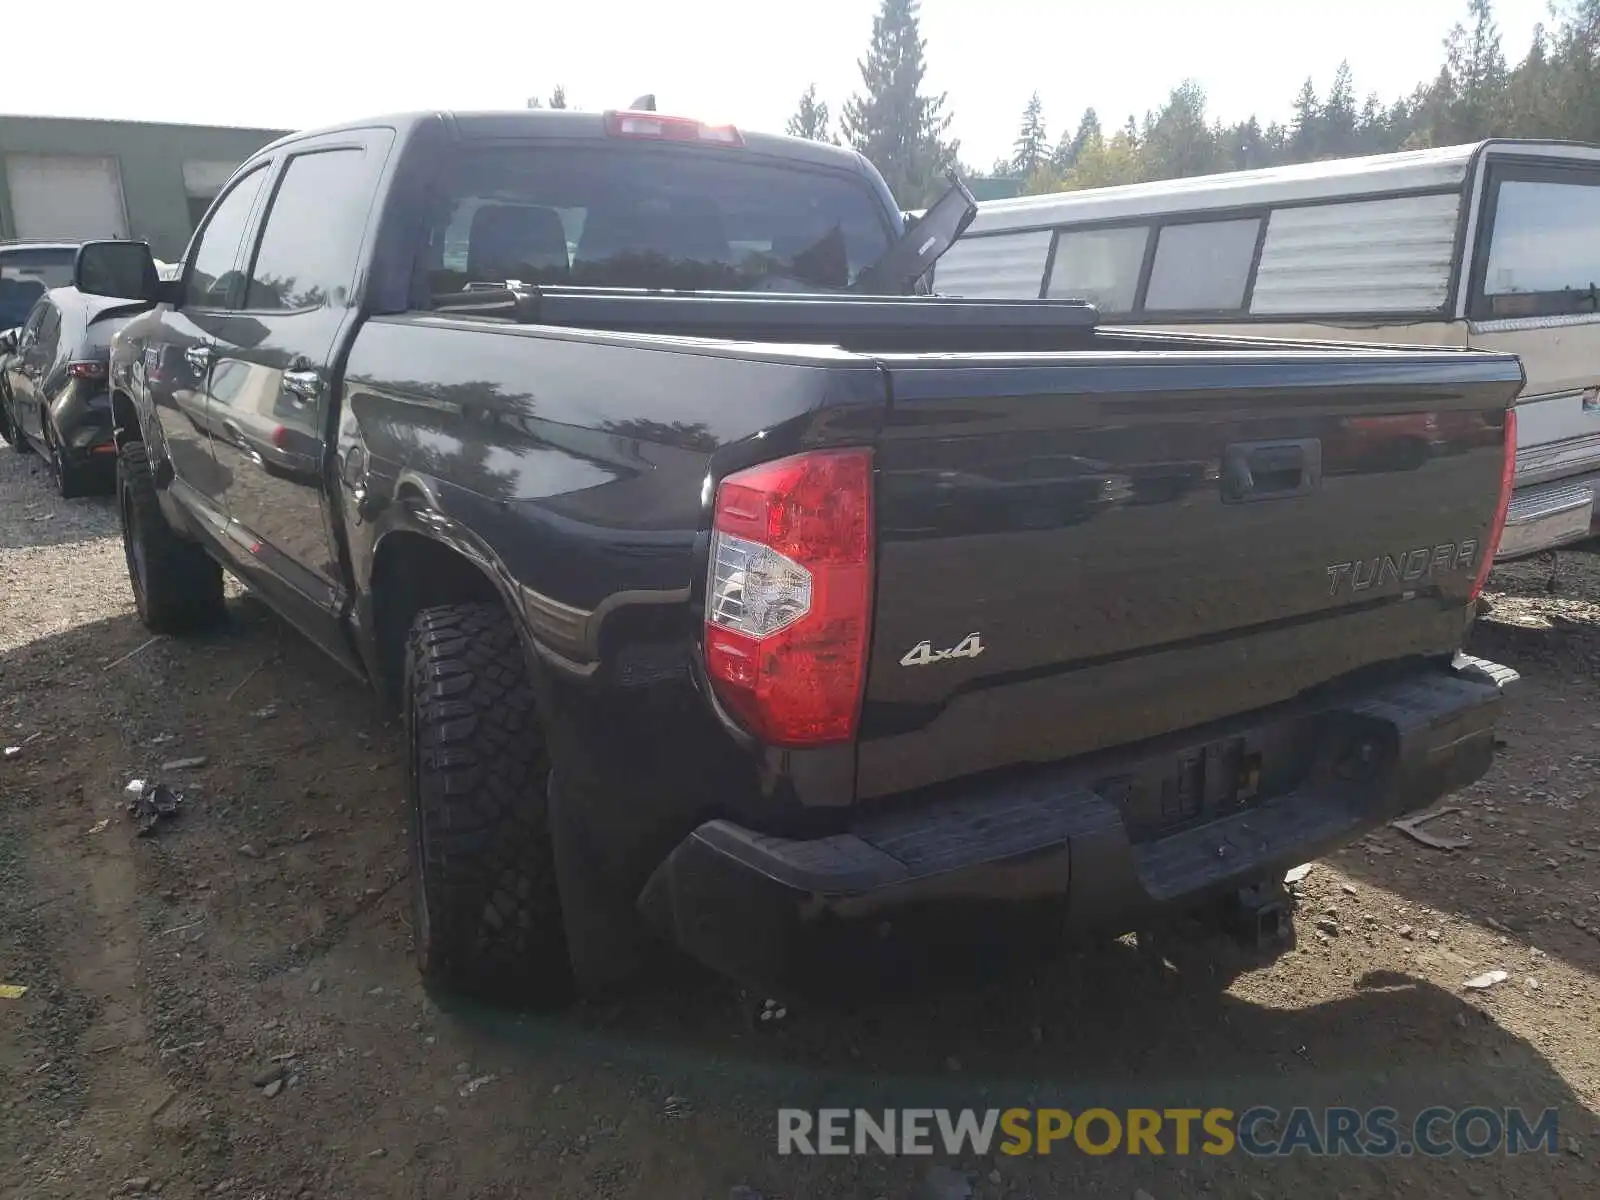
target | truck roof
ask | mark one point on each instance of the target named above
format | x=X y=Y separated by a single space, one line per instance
x=513 y=124
x=1405 y=172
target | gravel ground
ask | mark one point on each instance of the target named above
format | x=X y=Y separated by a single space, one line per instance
x=228 y=1007
x=60 y=560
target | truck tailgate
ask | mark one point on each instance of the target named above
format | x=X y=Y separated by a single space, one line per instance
x=1085 y=550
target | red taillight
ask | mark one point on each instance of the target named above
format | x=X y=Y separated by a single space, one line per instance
x=788 y=602
x=652 y=126
x=1508 y=480
x=86 y=370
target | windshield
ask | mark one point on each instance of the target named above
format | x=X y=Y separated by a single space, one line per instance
x=27 y=274
x=649 y=217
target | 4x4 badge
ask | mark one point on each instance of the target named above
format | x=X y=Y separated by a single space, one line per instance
x=923 y=653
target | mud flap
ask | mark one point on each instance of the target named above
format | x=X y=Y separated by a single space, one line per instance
x=606 y=941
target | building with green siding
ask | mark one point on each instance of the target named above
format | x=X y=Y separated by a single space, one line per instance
x=65 y=179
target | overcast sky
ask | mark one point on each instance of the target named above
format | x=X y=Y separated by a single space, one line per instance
x=299 y=63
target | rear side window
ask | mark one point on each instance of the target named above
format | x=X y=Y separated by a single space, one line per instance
x=49 y=330
x=1099 y=265
x=1203 y=266
x=1544 y=248
x=214 y=278
x=648 y=217
x=309 y=245
x=35 y=317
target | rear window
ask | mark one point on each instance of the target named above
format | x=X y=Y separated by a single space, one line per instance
x=25 y=275
x=648 y=217
x=1544 y=252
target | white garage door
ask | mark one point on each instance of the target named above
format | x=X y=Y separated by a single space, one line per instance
x=66 y=198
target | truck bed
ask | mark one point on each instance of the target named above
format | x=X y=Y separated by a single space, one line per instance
x=1135 y=534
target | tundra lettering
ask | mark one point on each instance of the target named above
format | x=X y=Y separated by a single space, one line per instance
x=1409 y=566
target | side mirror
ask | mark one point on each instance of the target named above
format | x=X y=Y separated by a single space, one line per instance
x=8 y=341
x=123 y=270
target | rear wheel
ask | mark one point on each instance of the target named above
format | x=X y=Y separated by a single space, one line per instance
x=486 y=907
x=14 y=434
x=176 y=586
x=71 y=480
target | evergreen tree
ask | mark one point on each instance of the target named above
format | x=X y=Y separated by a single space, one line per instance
x=1244 y=147
x=1338 y=134
x=900 y=130
x=1553 y=92
x=1177 y=140
x=810 y=119
x=1028 y=151
x=558 y=99
x=1574 y=76
x=1071 y=146
x=1305 y=133
x=1477 y=69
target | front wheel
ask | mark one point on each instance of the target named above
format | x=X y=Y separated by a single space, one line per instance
x=177 y=588
x=486 y=907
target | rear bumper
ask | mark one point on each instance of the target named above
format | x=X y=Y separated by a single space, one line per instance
x=1545 y=516
x=754 y=906
x=82 y=421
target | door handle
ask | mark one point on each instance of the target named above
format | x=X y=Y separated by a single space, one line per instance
x=304 y=385
x=198 y=358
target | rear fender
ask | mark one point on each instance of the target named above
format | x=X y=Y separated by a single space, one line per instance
x=415 y=516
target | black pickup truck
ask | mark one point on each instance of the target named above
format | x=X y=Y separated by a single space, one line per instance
x=735 y=593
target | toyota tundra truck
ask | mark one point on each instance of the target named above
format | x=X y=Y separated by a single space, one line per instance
x=737 y=595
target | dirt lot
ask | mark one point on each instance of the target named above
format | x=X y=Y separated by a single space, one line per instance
x=261 y=938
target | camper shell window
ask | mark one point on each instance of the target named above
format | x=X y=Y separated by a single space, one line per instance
x=1171 y=265
x=1101 y=266
x=1202 y=267
x=1540 y=256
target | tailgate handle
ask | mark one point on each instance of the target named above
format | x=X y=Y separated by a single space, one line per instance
x=1270 y=470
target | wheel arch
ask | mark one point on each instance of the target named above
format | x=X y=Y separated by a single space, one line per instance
x=412 y=570
x=125 y=424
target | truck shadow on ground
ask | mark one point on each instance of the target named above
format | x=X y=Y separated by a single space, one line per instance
x=1095 y=1029
x=1529 y=861
x=294 y=749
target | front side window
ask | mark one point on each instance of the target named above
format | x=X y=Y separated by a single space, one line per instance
x=648 y=216
x=1202 y=266
x=1099 y=265
x=1544 y=252
x=214 y=278
x=310 y=245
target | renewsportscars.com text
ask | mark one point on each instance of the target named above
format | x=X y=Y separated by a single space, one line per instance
x=1259 y=1132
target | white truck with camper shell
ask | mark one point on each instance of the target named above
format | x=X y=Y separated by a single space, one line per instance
x=1493 y=246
